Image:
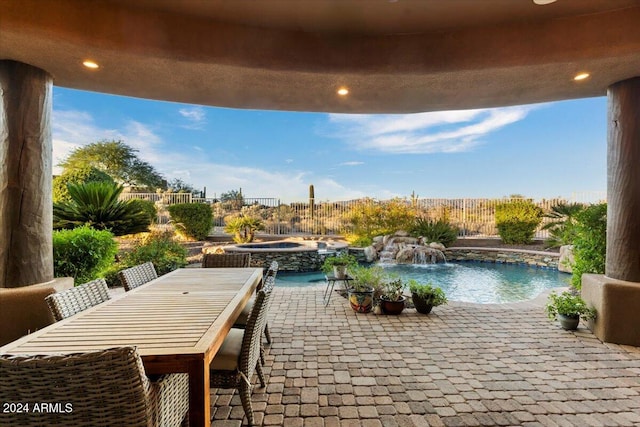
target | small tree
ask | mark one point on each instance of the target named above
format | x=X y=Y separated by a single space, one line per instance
x=119 y=161
x=590 y=242
x=517 y=220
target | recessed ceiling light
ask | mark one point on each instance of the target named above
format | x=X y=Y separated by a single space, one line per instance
x=543 y=2
x=581 y=76
x=90 y=64
x=343 y=91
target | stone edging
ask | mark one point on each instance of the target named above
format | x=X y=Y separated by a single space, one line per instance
x=504 y=256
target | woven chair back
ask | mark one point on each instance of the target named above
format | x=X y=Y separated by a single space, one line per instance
x=250 y=352
x=67 y=303
x=239 y=260
x=133 y=277
x=101 y=388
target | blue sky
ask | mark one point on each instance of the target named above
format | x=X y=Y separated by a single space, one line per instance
x=542 y=150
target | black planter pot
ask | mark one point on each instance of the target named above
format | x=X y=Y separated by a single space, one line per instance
x=569 y=323
x=421 y=304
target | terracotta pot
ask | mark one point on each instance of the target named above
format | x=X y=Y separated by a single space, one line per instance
x=392 y=307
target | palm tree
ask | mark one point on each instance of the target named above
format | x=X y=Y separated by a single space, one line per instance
x=97 y=205
x=562 y=224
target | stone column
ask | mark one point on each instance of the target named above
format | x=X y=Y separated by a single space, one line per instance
x=26 y=250
x=616 y=294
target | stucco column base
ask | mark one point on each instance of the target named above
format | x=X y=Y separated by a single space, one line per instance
x=617 y=303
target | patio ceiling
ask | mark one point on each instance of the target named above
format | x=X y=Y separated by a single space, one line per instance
x=393 y=56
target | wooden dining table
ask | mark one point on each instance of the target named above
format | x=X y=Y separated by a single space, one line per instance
x=177 y=322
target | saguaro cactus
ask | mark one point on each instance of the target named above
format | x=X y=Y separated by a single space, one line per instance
x=312 y=202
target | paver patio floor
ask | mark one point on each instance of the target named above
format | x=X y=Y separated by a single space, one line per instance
x=462 y=365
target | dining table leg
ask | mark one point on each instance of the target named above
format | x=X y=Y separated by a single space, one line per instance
x=199 y=394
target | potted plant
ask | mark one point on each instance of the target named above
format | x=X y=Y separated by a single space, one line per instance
x=392 y=301
x=567 y=309
x=361 y=290
x=338 y=264
x=426 y=296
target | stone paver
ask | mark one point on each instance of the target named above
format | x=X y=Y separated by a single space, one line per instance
x=462 y=365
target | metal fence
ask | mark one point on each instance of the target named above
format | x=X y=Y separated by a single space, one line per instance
x=473 y=217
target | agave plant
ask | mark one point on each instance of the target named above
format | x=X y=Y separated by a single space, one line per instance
x=96 y=204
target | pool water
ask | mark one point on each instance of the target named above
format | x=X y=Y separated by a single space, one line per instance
x=477 y=282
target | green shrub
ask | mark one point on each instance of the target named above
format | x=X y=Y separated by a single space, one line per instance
x=371 y=218
x=590 y=242
x=517 y=220
x=435 y=231
x=148 y=207
x=82 y=253
x=194 y=220
x=159 y=248
x=358 y=241
x=76 y=176
x=97 y=204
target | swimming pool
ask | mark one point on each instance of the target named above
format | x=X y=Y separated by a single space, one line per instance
x=477 y=282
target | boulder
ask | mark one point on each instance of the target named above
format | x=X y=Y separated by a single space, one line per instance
x=437 y=245
x=401 y=233
x=405 y=255
x=213 y=250
x=566 y=261
x=370 y=253
x=378 y=239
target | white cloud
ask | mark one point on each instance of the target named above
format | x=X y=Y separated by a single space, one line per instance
x=354 y=163
x=288 y=161
x=74 y=129
x=437 y=132
x=195 y=116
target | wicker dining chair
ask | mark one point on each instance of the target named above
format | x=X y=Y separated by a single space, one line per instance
x=67 y=303
x=238 y=260
x=238 y=357
x=241 y=321
x=133 y=277
x=98 y=388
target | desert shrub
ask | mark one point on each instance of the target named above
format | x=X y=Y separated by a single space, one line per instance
x=371 y=218
x=97 y=204
x=82 y=253
x=517 y=220
x=590 y=242
x=194 y=220
x=76 y=176
x=434 y=231
x=160 y=248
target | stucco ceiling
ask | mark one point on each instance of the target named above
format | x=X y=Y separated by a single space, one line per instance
x=394 y=56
